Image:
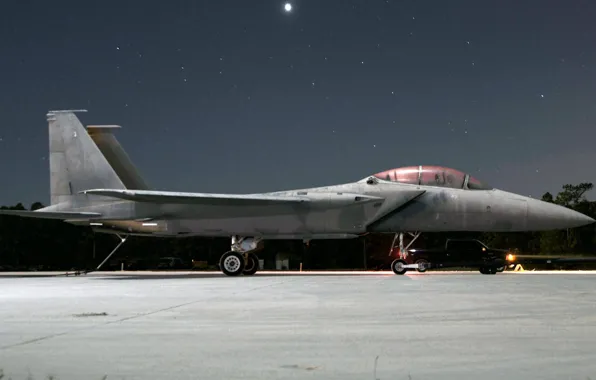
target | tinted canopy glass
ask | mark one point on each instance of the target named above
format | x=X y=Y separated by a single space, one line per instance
x=410 y=174
x=433 y=176
x=442 y=177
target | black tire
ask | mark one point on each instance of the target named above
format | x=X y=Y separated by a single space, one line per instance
x=488 y=270
x=422 y=265
x=397 y=266
x=252 y=265
x=231 y=263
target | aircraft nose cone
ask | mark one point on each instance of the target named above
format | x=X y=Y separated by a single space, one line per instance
x=548 y=216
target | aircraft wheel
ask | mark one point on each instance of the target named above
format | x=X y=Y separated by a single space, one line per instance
x=231 y=263
x=398 y=266
x=252 y=265
x=422 y=265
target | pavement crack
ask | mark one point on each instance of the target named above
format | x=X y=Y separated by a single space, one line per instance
x=140 y=315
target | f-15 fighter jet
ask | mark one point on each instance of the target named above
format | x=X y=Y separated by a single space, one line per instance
x=88 y=189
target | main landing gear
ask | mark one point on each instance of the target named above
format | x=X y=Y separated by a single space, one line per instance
x=241 y=259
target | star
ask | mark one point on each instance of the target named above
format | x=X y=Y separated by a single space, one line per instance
x=288 y=7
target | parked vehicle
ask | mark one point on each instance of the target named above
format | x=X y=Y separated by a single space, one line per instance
x=468 y=253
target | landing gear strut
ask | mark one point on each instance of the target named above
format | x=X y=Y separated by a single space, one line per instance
x=403 y=251
x=241 y=258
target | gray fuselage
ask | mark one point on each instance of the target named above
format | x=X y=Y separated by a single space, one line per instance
x=334 y=211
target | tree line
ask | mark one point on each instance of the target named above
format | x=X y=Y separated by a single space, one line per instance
x=38 y=244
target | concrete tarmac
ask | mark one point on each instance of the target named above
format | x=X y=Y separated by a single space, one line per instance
x=362 y=325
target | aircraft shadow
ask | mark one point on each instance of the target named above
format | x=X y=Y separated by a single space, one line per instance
x=5 y=275
x=187 y=276
x=119 y=276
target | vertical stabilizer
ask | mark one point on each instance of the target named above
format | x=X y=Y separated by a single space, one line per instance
x=103 y=136
x=76 y=163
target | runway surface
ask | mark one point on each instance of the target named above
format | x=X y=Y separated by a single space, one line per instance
x=364 y=325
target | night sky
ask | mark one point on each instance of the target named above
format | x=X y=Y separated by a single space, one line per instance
x=241 y=96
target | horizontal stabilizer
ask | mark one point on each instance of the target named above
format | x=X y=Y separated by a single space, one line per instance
x=51 y=215
x=196 y=198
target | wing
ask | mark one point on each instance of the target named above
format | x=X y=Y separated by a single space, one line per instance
x=197 y=198
x=51 y=215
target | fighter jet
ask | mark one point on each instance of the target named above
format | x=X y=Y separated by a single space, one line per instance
x=105 y=191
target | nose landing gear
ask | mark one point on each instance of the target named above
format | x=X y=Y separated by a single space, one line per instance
x=400 y=266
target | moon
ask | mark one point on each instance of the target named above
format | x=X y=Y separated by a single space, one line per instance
x=288 y=7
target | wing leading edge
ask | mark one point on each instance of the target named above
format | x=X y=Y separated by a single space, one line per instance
x=51 y=215
x=168 y=197
x=196 y=198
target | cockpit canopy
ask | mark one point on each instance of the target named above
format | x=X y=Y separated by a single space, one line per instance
x=433 y=176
